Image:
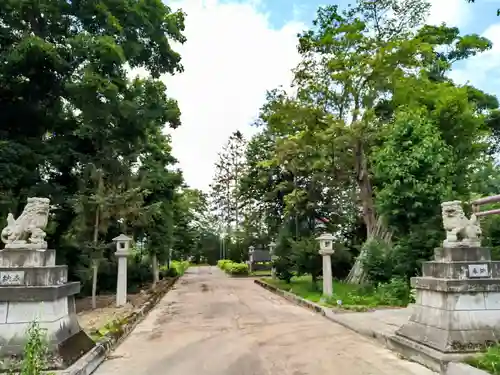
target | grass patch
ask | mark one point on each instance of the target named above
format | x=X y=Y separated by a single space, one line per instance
x=488 y=361
x=347 y=296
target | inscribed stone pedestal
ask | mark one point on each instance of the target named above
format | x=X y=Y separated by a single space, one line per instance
x=457 y=307
x=32 y=286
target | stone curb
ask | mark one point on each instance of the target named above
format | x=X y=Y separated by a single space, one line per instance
x=293 y=298
x=90 y=361
x=453 y=368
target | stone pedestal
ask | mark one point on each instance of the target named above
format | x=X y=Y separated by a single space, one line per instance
x=33 y=288
x=327 y=272
x=457 y=307
x=121 y=283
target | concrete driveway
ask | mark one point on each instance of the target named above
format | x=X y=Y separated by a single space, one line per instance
x=210 y=324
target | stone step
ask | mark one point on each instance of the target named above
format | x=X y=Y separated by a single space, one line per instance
x=34 y=276
x=462 y=254
x=461 y=270
x=27 y=258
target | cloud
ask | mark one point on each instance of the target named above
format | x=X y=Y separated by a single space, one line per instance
x=482 y=70
x=231 y=57
x=479 y=70
x=452 y=12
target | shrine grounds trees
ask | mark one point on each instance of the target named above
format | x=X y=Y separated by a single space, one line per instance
x=373 y=139
x=77 y=128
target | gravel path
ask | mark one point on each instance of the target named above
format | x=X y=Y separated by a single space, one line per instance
x=210 y=324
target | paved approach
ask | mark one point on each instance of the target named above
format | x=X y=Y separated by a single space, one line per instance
x=210 y=324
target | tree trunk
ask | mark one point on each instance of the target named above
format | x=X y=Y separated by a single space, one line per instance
x=95 y=261
x=357 y=274
x=156 y=270
x=365 y=188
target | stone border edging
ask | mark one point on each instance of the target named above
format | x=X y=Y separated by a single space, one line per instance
x=453 y=368
x=91 y=360
x=292 y=297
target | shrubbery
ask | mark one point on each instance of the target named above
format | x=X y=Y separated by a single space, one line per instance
x=233 y=268
x=396 y=292
x=177 y=268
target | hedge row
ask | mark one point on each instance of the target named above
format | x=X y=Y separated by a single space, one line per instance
x=233 y=268
x=177 y=268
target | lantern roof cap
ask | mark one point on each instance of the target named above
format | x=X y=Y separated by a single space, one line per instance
x=326 y=237
x=122 y=237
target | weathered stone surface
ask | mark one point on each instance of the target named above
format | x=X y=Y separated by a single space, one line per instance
x=458 y=301
x=462 y=254
x=455 y=320
x=37 y=276
x=38 y=293
x=463 y=369
x=449 y=341
x=460 y=270
x=12 y=335
x=456 y=285
x=32 y=288
x=457 y=307
x=11 y=258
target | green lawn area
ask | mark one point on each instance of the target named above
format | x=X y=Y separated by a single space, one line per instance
x=352 y=297
x=488 y=361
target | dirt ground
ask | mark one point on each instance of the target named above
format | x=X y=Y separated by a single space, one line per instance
x=210 y=324
x=106 y=311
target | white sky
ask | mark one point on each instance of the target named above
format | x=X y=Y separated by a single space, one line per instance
x=231 y=57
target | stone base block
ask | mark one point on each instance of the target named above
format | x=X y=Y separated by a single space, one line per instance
x=57 y=317
x=462 y=254
x=448 y=341
x=461 y=270
x=454 y=301
x=11 y=258
x=454 y=322
x=34 y=276
x=457 y=285
x=424 y=355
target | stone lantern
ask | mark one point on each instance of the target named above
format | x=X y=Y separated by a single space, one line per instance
x=326 y=250
x=251 y=251
x=272 y=246
x=122 y=251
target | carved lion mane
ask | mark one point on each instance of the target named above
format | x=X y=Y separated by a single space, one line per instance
x=460 y=231
x=30 y=225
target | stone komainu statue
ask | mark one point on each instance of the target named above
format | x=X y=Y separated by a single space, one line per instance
x=460 y=231
x=29 y=227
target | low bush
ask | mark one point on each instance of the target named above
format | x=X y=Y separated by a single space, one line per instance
x=223 y=263
x=177 y=268
x=237 y=269
x=233 y=268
